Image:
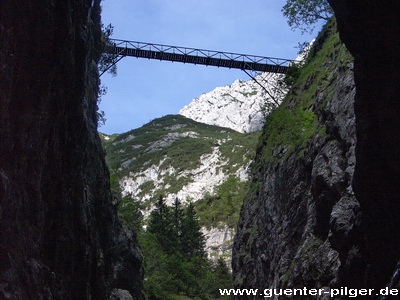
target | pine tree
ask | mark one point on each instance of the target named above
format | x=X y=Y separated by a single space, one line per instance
x=160 y=225
x=129 y=212
x=192 y=239
x=173 y=246
x=223 y=273
x=176 y=223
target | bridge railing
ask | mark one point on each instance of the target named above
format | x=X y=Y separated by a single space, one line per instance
x=199 y=52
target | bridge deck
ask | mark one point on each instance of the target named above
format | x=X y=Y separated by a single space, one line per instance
x=197 y=56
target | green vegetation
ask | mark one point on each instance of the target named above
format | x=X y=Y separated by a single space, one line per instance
x=107 y=61
x=291 y=130
x=129 y=212
x=146 y=187
x=176 y=266
x=292 y=75
x=311 y=244
x=303 y=14
x=288 y=131
x=238 y=150
x=105 y=64
x=249 y=94
x=294 y=124
x=175 y=144
x=184 y=154
x=223 y=207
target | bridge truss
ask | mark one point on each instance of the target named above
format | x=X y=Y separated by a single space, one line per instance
x=118 y=49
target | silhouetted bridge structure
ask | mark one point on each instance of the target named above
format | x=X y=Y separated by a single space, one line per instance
x=122 y=48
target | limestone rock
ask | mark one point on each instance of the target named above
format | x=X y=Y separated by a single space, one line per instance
x=241 y=106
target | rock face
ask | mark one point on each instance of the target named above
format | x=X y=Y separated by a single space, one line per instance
x=241 y=106
x=204 y=179
x=60 y=237
x=301 y=213
x=371 y=31
x=219 y=241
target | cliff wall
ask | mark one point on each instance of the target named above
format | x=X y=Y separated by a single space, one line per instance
x=301 y=212
x=60 y=237
x=371 y=31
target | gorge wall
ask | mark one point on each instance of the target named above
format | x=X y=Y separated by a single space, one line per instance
x=301 y=213
x=371 y=32
x=60 y=237
x=325 y=213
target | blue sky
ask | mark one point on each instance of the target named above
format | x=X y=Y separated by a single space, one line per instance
x=147 y=89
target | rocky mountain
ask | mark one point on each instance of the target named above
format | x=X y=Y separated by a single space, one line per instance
x=180 y=158
x=198 y=155
x=241 y=106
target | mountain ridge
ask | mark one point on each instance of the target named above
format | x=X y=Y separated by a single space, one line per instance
x=178 y=157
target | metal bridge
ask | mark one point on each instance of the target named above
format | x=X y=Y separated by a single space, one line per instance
x=121 y=48
x=251 y=64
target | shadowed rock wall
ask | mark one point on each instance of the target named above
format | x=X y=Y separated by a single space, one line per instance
x=371 y=32
x=60 y=237
x=301 y=211
x=304 y=225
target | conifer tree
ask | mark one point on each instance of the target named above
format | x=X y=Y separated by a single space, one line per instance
x=176 y=262
x=192 y=238
x=161 y=226
x=177 y=217
x=221 y=271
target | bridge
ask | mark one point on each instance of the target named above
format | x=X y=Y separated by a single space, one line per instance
x=122 y=48
x=118 y=49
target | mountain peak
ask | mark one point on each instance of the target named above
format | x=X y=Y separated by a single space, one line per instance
x=241 y=106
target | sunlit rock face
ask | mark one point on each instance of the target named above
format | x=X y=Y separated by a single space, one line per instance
x=204 y=179
x=241 y=106
x=219 y=242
